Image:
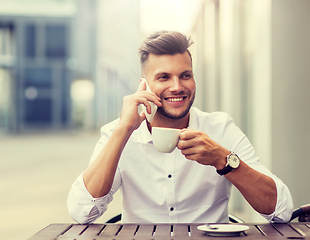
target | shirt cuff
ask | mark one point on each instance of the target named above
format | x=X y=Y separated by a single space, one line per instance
x=83 y=207
x=284 y=206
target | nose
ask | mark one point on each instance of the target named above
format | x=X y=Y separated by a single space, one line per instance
x=176 y=85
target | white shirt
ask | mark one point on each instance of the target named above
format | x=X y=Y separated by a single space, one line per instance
x=166 y=187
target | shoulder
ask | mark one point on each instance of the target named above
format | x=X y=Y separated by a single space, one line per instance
x=108 y=128
x=220 y=127
x=212 y=118
x=216 y=124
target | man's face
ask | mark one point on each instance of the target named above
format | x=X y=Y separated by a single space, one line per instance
x=171 y=78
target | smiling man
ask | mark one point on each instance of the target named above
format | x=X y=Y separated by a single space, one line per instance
x=191 y=184
x=171 y=78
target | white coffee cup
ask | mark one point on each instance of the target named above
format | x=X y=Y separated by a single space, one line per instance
x=165 y=139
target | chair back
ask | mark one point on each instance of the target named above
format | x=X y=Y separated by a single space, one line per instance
x=303 y=213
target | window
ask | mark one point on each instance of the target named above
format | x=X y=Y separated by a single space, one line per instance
x=30 y=41
x=38 y=77
x=38 y=111
x=56 y=38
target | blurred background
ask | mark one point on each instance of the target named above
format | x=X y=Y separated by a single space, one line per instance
x=65 y=66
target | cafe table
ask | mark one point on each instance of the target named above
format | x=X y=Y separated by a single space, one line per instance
x=293 y=230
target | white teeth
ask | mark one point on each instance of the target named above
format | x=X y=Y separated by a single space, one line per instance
x=175 y=99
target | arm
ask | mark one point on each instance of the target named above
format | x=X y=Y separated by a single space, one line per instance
x=257 y=188
x=98 y=177
x=93 y=190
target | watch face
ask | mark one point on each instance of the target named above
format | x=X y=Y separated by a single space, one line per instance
x=234 y=161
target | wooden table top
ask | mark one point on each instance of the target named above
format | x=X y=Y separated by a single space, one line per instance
x=294 y=230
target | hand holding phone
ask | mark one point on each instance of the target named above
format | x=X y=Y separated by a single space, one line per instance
x=149 y=117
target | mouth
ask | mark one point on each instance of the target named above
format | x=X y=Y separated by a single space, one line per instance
x=174 y=99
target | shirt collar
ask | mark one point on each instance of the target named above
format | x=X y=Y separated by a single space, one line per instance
x=146 y=136
x=193 y=119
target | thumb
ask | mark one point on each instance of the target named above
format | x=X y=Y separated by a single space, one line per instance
x=140 y=119
x=142 y=85
x=142 y=116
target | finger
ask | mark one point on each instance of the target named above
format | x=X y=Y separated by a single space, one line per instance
x=157 y=102
x=147 y=105
x=144 y=101
x=183 y=145
x=187 y=134
x=190 y=156
x=186 y=151
x=150 y=96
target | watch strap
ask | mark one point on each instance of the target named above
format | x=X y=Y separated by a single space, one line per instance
x=225 y=170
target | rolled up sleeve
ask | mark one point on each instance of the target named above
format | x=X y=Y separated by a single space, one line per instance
x=82 y=206
x=245 y=150
x=284 y=207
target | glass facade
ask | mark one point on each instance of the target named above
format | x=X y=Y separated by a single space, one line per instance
x=40 y=77
x=40 y=86
x=38 y=111
x=7 y=50
x=30 y=41
x=55 y=45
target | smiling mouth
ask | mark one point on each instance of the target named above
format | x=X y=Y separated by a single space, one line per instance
x=175 y=99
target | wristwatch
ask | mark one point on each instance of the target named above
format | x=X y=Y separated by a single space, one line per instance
x=233 y=162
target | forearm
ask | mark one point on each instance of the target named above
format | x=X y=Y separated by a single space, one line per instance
x=98 y=177
x=257 y=188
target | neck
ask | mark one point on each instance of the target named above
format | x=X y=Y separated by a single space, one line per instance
x=161 y=121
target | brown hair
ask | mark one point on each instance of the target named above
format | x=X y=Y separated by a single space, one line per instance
x=164 y=42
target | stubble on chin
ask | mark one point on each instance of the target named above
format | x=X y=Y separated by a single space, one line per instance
x=162 y=111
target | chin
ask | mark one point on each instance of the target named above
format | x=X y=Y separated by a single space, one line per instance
x=173 y=115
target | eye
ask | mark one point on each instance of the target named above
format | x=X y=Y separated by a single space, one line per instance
x=163 y=77
x=186 y=76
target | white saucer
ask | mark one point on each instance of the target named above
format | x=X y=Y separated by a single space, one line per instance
x=223 y=229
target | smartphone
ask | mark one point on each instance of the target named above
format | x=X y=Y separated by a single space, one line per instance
x=149 y=117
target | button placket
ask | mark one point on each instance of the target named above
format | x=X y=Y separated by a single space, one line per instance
x=171 y=201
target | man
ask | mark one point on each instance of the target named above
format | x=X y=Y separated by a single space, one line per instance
x=191 y=184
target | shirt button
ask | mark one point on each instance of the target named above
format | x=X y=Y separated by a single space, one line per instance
x=169 y=176
x=171 y=209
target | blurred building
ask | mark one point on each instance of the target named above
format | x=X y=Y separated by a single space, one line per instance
x=66 y=63
x=35 y=46
x=118 y=67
